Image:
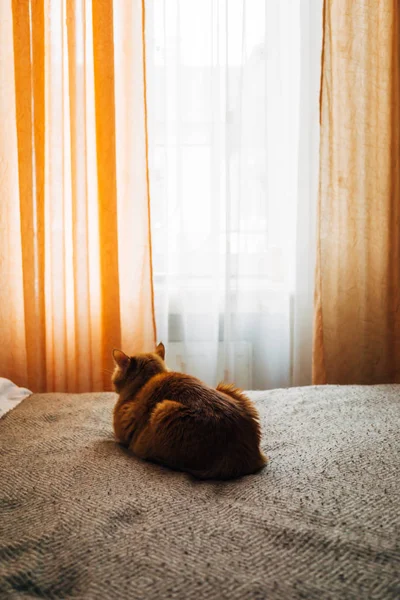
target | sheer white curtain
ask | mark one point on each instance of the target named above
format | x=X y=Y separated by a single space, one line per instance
x=233 y=139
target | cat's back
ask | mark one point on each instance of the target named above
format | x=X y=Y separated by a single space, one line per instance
x=188 y=390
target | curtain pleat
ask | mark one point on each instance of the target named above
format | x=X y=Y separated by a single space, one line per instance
x=75 y=249
x=28 y=30
x=13 y=351
x=357 y=311
x=103 y=52
x=133 y=201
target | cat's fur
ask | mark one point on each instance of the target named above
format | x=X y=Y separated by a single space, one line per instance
x=180 y=422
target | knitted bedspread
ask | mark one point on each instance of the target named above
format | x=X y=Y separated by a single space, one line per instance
x=80 y=517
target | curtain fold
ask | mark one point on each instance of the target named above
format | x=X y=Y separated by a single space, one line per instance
x=103 y=52
x=357 y=309
x=75 y=247
x=28 y=35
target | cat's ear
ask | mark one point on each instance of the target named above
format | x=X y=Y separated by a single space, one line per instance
x=160 y=350
x=121 y=359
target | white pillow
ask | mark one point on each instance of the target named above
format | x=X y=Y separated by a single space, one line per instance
x=10 y=395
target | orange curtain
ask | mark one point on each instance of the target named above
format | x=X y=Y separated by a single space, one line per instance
x=357 y=312
x=75 y=247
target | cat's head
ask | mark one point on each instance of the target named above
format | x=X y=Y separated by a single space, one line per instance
x=139 y=368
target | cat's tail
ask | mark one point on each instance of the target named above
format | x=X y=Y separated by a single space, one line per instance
x=230 y=390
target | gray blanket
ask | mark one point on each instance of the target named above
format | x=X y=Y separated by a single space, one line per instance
x=82 y=518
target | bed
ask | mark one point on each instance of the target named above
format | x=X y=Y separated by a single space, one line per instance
x=82 y=518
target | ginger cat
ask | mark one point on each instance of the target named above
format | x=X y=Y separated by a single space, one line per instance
x=178 y=421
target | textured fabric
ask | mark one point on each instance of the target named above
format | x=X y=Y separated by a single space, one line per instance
x=75 y=256
x=357 y=318
x=82 y=518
